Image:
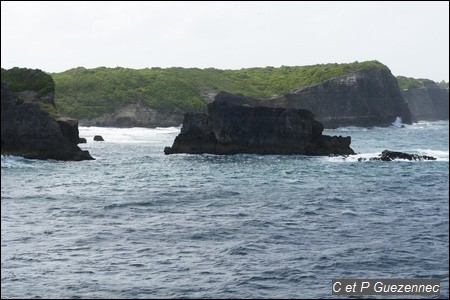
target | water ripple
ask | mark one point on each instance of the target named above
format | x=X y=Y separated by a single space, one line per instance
x=148 y=225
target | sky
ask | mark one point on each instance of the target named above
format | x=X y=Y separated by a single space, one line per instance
x=411 y=38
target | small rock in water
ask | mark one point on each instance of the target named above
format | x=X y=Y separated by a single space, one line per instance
x=98 y=138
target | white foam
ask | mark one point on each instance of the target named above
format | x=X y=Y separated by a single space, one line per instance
x=12 y=161
x=349 y=212
x=11 y=158
x=398 y=122
x=439 y=154
x=353 y=158
x=129 y=135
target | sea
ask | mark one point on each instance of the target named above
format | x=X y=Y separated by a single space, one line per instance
x=136 y=223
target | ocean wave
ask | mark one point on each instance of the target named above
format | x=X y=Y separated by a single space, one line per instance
x=12 y=161
x=428 y=124
x=439 y=154
x=361 y=157
x=352 y=158
x=133 y=135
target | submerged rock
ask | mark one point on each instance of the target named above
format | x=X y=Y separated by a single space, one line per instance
x=388 y=155
x=232 y=126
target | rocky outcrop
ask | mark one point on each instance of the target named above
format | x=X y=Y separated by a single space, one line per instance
x=428 y=102
x=32 y=97
x=135 y=115
x=388 y=155
x=365 y=98
x=232 y=125
x=69 y=129
x=30 y=131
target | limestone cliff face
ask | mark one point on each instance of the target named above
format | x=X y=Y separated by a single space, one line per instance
x=233 y=126
x=30 y=131
x=135 y=115
x=364 y=98
x=429 y=102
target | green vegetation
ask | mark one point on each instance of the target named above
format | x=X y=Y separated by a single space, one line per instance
x=22 y=79
x=50 y=109
x=409 y=83
x=443 y=84
x=88 y=93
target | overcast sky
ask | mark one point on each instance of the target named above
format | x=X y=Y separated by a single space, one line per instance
x=411 y=38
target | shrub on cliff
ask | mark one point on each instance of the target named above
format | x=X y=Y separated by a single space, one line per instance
x=23 y=79
x=406 y=83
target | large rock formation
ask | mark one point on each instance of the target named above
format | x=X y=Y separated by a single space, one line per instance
x=29 y=129
x=135 y=115
x=365 y=98
x=428 y=102
x=233 y=126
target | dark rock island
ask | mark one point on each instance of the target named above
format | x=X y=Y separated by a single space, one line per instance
x=30 y=125
x=98 y=138
x=233 y=125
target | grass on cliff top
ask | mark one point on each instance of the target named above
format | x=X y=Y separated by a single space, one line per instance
x=23 y=79
x=89 y=93
x=50 y=109
x=406 y=83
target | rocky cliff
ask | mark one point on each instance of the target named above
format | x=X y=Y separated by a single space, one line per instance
x=30 y=129
x=364 y=98
x=233 y=126
x=428 y=102
x=135 y=115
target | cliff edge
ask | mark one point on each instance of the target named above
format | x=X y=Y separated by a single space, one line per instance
x=364 y=98
x=428 y=102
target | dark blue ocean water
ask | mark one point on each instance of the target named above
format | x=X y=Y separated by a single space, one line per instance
x=135 y=223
